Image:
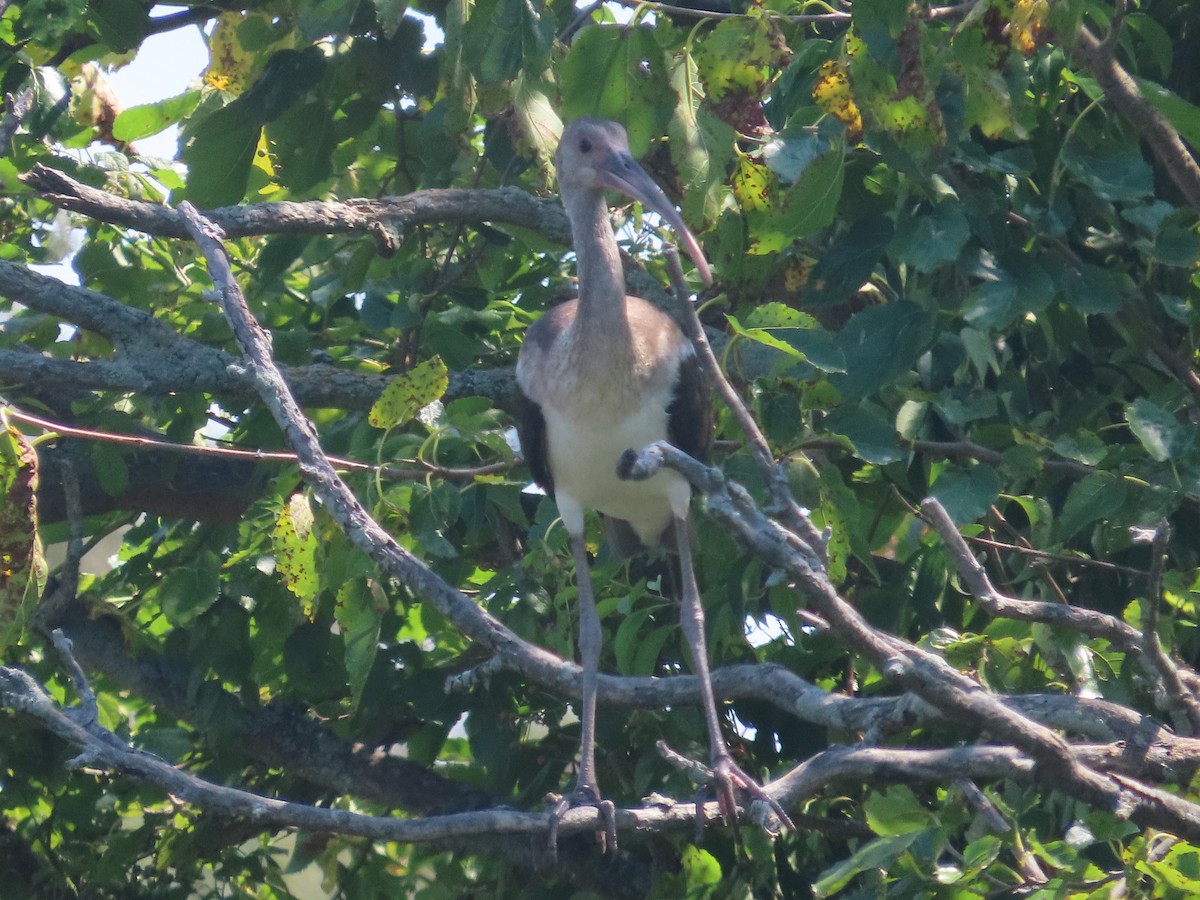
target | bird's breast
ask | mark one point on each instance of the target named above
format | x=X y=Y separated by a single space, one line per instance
x=584 y=452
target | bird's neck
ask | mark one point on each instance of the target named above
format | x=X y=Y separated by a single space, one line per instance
x=601 y=280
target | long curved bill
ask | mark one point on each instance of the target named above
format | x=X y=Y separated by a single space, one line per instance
x=622 y=173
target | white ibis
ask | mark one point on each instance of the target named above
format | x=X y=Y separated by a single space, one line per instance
x=604 y=374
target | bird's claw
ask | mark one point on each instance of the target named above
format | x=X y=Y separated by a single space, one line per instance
x=727 y=778
x=584 y=795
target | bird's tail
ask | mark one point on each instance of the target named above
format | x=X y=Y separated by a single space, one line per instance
x=660 y=562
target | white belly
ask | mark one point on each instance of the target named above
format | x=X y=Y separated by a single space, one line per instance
x=583 y=460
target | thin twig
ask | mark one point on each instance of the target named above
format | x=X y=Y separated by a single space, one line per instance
x=772 y=472
x=66 y=580
x=668 y=9
x=1177 y=696
x=420 y=469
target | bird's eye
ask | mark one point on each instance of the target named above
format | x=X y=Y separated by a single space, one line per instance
x=585 y=146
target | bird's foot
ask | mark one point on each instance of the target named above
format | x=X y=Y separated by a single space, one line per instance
x=727 y=779
x=584 y=795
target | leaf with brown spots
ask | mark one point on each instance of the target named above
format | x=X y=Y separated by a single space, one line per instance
x=295 y=543
x=832 y=93
x=22 y=565
x=408 y=394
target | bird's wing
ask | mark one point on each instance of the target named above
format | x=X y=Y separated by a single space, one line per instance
x=689 y=417
x=531 y=426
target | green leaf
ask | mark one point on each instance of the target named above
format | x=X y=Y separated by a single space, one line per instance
x=391 y=14
x=359 y=612
x=1183 y=115
x=220 y=149
x=812 y=202
x=294 y=541
x=896 y=810
x=967 y=494
x=992 y=305
x=1177 y=247
x=408 y=394
x=1096 y=497
x=848 y=263
x=186 y=592
x=1159 y=45
x=142 y=121
x=880 y=344
x=505 y=37
x=877 y=854
x=645 y=659
x=1085 y=447
x=873 y=436
x=700 y=868
x=22 y=565
x=121 y=23
x=618 y=74
x=735 y=58
x=219 y=152
x=981 y=853
x=1114 y=170
x=625 y=644
x=1157 y=429
x=1090 y=289
x=932 y=240
x=1150 y=216
x=765 y=337
x=701 y=148
x=111 y=470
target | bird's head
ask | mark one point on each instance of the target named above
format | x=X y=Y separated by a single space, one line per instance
x=593 y=155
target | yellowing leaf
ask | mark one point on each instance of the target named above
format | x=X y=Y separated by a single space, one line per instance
x=22 y=566
x=832 y=93
x=1025 y=30
x=752 y=186
x=408 y=394
x=229 y=64
x=295 y=544
x=262 y=157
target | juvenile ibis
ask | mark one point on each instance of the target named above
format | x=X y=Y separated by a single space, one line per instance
x=603 y=374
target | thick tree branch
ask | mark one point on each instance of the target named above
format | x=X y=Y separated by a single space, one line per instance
x=101 y=748
x=152 y=359
x=507 y=206
x=957 y=696
x=1126 y=97
x=1083 y=621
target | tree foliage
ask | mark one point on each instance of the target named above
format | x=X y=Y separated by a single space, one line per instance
x=956 y=254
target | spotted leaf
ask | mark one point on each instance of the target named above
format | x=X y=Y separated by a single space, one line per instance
x=408 y=394
x=295 y=545
x=22 y=566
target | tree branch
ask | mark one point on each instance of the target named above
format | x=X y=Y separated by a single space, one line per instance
x=1056 y=765
x=1126 y=97
x=438 y=206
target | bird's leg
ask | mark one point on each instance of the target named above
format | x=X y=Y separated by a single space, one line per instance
x=727 y=775
x=586 y=792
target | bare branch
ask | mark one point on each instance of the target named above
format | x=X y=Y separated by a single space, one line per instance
x=1177 y=696
x=957 y=696
x=507 y=206
x=1124 y=94
x=773 y=473
x=1084 y=621
x=153 y=359
x=419 y=469
x=100 y=748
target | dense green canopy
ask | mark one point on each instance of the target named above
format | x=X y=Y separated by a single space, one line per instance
x=955 y=252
